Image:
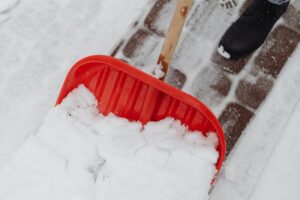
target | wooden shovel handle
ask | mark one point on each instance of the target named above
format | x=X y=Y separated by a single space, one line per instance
x=173 y=34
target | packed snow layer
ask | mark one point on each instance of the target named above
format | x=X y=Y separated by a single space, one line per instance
x=158 y=71
x=39 y=42
x=223 y=52
x=281 y=177
x=80 y=154
x=7 y=5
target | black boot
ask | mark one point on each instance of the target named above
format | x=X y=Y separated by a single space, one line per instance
x=251 y=29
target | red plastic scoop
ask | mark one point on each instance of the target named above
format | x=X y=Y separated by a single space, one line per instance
x=135 y=95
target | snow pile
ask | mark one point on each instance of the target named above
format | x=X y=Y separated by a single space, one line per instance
x=223 y=52
x=80 y=154
x=158 y=71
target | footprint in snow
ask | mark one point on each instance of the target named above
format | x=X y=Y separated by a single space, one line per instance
x=229 y=5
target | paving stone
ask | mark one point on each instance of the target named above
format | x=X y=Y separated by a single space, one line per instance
x=142 y=49
x=159 y=16
x=134 y=42
x=175 y=78
x=292 y=18
x=211 y=86
x=277 y=49
x=234 y=120
x=253 y=92
x=231 y=66
x=222 y=85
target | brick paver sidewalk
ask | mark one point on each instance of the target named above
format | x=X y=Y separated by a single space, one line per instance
x=233 y=89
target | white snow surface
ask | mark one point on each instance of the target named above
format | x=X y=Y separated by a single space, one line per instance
x=223 y=52
x=7 y=5
x=80 y=154
x=281 y=177
x=39 y=42
x=158 y=71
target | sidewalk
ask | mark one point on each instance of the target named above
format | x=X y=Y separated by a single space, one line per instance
x=234 y=90
x=41 y=40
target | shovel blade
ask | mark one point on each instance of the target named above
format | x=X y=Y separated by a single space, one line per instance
x=130 y=93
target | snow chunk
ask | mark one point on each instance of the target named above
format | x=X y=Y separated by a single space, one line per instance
x=158 y=71
x=81 y=154
x=223 y=53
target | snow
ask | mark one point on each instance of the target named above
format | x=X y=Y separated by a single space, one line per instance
x=223 y=53
x=7 y=5
x=158 y=71
x=281 y=177
x=40 y=41
x=80 y=154
x=229 y=5
x=249 y=160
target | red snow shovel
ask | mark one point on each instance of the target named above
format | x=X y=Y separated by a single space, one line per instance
x=130 y=93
